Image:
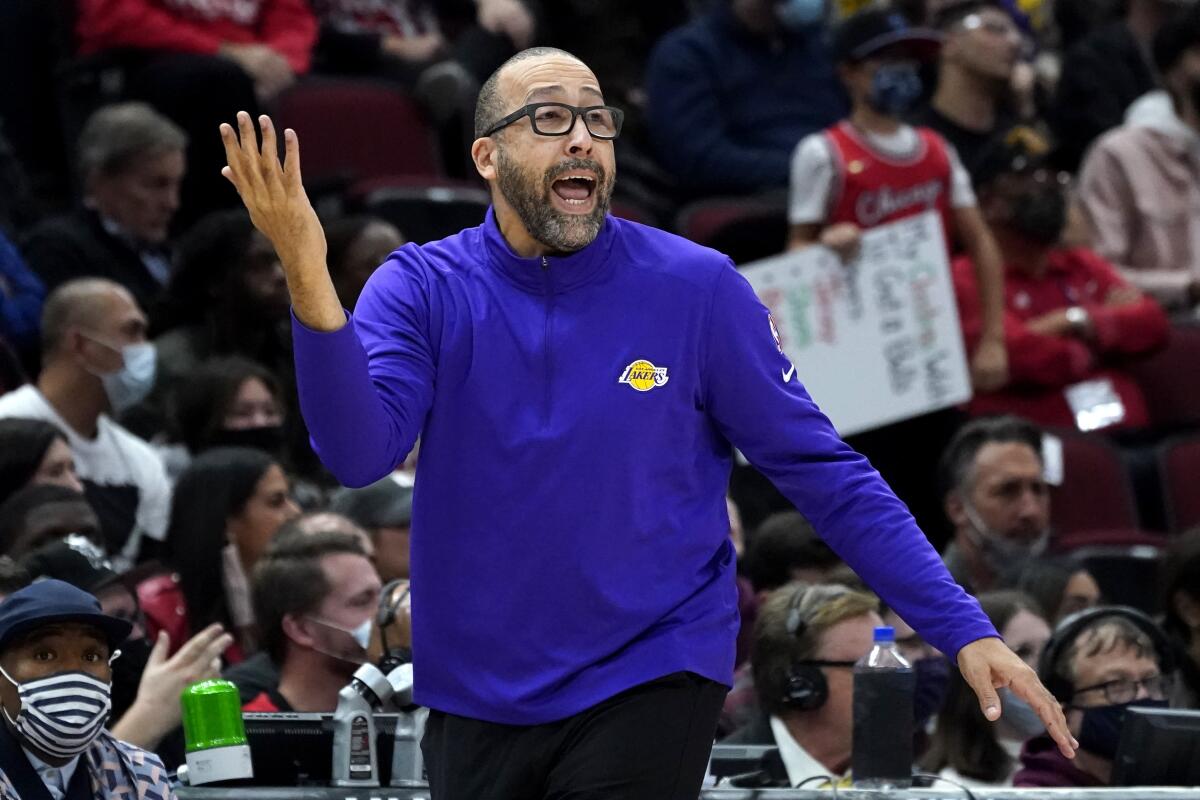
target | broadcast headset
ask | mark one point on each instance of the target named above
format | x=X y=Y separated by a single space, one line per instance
x=1069 y=629
x=807 y=689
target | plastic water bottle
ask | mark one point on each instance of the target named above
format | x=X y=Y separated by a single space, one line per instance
x=884 y=683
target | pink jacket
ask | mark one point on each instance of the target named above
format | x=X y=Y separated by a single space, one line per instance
x=1140 y=190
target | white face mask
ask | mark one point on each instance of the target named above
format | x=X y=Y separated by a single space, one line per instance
x=63 y=714
x=361 y=634
x=129 y=385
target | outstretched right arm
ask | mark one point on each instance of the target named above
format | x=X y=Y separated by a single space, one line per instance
x=365 y=385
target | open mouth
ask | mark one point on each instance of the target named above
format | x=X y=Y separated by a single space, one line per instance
x=575 y=190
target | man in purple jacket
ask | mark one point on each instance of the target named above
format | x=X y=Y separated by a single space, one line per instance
x=577 y=382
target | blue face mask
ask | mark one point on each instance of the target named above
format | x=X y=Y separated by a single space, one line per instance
x=1018 y=717
x=1101 y=729
x=895 y=89
x=797 y=15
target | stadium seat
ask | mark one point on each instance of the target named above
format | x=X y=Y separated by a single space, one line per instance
x=1096 y=493
x=745 y=229
x=351 y=130
x=422 y=210
x=1170 y=380
x=1179 y=469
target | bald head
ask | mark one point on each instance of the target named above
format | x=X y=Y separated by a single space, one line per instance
x=492 y=104
x=87 y=303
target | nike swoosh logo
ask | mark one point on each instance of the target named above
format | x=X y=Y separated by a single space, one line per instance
x=788 y=373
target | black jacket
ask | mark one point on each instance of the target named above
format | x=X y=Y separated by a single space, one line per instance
x=78 y=246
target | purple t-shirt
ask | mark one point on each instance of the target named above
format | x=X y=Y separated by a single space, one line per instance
x=577 y=417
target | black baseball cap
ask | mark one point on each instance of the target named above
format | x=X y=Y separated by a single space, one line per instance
x=75 y=560
x=870 y=32
x=1019 y=150
x=50 y=601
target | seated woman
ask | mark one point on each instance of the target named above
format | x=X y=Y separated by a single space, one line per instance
x=228 y=401
x=34 y=452
x=228 y=504
x=965 y=747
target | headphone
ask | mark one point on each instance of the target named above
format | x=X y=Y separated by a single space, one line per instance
x=806 y=688
x=1069 y=629
x=385 y=615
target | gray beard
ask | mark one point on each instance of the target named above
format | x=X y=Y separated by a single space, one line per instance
x=560 y=232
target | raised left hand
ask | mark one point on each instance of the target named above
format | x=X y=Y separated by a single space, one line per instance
x=988 y=664
x=989 y=366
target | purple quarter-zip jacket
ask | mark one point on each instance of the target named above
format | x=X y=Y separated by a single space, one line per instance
x=577 y=416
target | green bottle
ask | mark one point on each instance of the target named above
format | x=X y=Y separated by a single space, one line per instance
x=214 y=733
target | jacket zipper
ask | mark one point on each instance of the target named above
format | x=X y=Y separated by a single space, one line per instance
x=546 y=339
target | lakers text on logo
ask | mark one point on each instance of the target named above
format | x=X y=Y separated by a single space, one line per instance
x=644 y=376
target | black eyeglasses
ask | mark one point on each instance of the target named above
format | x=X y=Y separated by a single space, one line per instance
x=1123 y=691
x=558 y=119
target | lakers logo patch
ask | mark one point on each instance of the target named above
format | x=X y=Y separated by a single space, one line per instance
x=643 y=375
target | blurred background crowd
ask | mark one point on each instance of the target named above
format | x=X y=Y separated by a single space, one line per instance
x=151 y=447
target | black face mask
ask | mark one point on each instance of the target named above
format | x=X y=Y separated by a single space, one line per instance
x=127 y=674
x=1040 y=215
x=268 y=438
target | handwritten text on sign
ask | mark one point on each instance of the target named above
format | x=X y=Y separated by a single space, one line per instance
x=875 y=340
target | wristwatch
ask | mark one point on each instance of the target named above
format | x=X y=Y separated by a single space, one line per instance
x=1078 y=318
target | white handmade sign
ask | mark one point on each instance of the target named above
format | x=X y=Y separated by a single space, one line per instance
x=875 y=340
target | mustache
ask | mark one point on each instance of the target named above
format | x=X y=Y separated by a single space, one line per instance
x=560 y=169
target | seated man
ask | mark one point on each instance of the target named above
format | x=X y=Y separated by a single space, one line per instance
x=996 y=498
x=131 y=164
x=96 y=362
x=730 y=94
x=56 y=652
x=315 y=599
x=1097 y=663
x=1070 y=320
x=810 y=721
x=1138 y=185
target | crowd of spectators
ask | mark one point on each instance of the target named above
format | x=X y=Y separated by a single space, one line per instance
x=152 y=449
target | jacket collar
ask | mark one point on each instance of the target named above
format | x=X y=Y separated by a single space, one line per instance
x=17 y=769
x=549 y=274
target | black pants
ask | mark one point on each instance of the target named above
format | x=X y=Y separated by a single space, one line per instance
x=648 y=743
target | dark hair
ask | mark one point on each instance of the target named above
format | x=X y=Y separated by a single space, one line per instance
x=1181 y=573
x=383 y=504
x=959 y=456
x=16 y=511
x=785 y=541
x=489 y=107
x=1175 y=38
x=23 y=445
x=964 y=739
x=13 y=576
x=207 y=269
x=289 y=580
x=200 y=402
x=215 y=486
x=1045 y=580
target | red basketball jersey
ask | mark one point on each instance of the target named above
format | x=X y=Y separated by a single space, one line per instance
x=871 y=188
